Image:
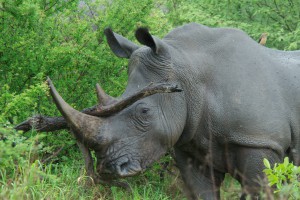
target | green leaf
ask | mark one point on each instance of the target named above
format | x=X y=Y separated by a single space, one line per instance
x=286 y=161
x=267 y=163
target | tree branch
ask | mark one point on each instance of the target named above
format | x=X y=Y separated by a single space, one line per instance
x=151 y=89
x=42 y=124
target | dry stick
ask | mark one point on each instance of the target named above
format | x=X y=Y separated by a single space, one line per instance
x=53 y=155
x=43 y=124
x=88 y=159
x=103 y=111
x=48 y=124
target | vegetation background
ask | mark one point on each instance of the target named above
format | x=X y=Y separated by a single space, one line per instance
x=64 y=40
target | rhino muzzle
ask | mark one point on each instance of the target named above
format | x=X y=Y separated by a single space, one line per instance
x=120 y=168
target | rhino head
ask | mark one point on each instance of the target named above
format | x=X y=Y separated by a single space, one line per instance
x=128 y=139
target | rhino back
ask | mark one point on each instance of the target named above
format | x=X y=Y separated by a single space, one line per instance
x=249 y=94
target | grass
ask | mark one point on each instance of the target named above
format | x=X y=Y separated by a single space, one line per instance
x=60 y=181
x=24 y=176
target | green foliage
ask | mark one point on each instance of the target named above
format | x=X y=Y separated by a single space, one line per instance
x=15 y=150
x=22 y=104
x=286 y=177
x=278 y=18
x=230 y=188
x=60 y=40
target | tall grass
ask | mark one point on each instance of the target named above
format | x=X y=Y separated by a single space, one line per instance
x=60 y=181
x=24 y=176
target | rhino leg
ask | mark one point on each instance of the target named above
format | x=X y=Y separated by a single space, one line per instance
x=201 y=181
x=250 y=169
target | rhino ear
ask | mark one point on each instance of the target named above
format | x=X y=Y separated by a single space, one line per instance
x=145 y=38
x=121 y=46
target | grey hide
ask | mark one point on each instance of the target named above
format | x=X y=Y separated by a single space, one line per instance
x=240 y=103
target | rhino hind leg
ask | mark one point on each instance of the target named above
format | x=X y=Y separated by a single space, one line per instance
x=250 y=169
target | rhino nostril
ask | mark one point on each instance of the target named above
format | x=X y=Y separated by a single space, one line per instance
x=123 y=166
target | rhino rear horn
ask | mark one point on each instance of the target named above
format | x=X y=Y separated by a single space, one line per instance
x=85 y=127
x=145 y=38
x=119 y=45
x=103 y=98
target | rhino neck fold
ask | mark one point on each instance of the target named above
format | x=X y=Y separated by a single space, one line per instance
x=84 y=126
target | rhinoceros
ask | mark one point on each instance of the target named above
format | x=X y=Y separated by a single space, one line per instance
x=239 y=103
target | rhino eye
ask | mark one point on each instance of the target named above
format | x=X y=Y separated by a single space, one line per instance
x=142 y=110
x=145 y=110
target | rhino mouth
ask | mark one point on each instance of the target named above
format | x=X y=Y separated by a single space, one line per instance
x=120 y=168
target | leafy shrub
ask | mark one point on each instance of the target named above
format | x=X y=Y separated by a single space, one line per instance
x=16 y=151
x=285 y=177
x=278 y=18
x=21 y=105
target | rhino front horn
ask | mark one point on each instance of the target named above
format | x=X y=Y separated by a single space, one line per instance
x=85 y=127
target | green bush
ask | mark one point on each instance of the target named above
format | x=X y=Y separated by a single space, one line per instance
x=285 y=177
x=15 y=150
x=280 y=19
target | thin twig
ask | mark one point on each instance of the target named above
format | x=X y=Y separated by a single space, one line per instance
x=53 y=155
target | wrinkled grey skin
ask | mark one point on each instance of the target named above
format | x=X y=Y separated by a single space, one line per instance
x=240 y=103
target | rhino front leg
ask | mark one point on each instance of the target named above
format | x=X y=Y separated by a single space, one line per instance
x=201 y=181
x=250 y=169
